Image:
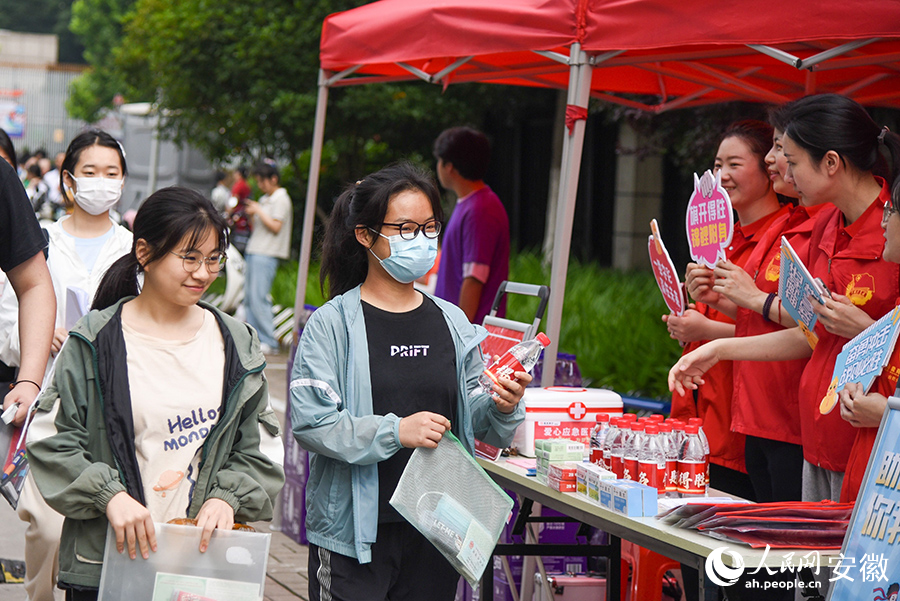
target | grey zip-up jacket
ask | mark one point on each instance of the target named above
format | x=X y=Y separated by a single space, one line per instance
x=81 y=444
x=331 y=414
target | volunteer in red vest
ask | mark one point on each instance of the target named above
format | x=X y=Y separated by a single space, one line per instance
x=764 y=404
x=740 y=158
x=832 y=149
x=864 y=411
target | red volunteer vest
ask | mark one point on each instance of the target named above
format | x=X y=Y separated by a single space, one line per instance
x=765 y=392
x=849 y=261
x=726 y=448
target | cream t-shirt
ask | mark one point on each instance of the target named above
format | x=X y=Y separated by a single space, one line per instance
x=264 y=241
x=176 y=396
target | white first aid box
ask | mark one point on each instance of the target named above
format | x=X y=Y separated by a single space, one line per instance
x=563 y=412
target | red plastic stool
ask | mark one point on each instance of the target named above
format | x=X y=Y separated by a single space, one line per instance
x=647 y=571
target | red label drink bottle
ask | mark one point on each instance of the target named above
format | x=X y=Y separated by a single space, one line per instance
x=670 y=451
x=700 y=432
x=617 y=447
x=652 y=460
x=598 y=434
x=608 y=439
x=521 y=357
x=630 y=452
x=693 y=464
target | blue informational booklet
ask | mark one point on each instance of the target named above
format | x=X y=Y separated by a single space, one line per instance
x=863 y=358
x=795 y=287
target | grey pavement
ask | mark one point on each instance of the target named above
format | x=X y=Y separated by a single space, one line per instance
x=286 y=573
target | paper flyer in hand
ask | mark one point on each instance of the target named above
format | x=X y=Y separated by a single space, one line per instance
x=78 y=304
x=664 y=271
x=709 y=220
x=795 y=286
x=863 y=358
x=15 y=464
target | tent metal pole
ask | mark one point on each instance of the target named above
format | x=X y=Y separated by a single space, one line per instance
x=862 y=83
x=809 y=63
x=416 y=71
x=777 y=54
x=884 y=60
x=312 y=190
x=554 y=56
x=451 y=68
x=579 y=95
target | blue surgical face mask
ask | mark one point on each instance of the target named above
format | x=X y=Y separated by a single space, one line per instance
x=410 y=259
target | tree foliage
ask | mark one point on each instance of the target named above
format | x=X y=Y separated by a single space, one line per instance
x=98 y=24
x=238 y=78
x=230 y=75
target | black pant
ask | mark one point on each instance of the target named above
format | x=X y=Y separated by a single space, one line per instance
x=731 y=481
x=404 y=567
x=81 y=595
x=775 y=468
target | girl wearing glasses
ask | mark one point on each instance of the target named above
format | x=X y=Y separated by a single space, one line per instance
x=382 y=369
x=158 y=407
x=833 y=151
x=82 y=246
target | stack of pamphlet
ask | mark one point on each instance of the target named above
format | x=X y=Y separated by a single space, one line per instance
x=792 y=524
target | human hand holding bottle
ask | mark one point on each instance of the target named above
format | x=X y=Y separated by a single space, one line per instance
x=508 y=392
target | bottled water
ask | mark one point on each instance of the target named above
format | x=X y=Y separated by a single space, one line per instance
x=598 y=436
x=693 y=464
x=630 y=449
x=652 y=459
x=521 y=357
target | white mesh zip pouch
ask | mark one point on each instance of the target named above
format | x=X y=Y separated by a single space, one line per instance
x=446 y=495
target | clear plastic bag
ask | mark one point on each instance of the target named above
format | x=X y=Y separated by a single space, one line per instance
x=446 y=495
x=233 y=568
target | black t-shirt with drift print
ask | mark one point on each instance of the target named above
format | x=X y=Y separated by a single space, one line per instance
x=413 y=368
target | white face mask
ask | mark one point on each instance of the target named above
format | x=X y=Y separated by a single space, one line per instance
x=97 y=195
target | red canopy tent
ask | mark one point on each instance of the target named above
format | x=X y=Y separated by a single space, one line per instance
x=679 y=54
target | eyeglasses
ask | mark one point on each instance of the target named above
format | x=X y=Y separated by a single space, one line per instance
x=888 y=211
x=410 y=229
x=193 y=259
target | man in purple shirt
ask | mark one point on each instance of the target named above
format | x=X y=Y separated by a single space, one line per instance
x=475 y=247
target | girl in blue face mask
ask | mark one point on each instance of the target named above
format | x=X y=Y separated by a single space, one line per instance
x=381 y=369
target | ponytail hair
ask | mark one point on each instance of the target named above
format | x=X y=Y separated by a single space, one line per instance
x=891 y=142
x=832 y=122
x=345 y=263
x=164 y=220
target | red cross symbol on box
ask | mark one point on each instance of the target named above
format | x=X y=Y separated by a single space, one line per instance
x=577 y=410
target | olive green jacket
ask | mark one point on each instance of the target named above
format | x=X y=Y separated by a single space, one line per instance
x=81 y=444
